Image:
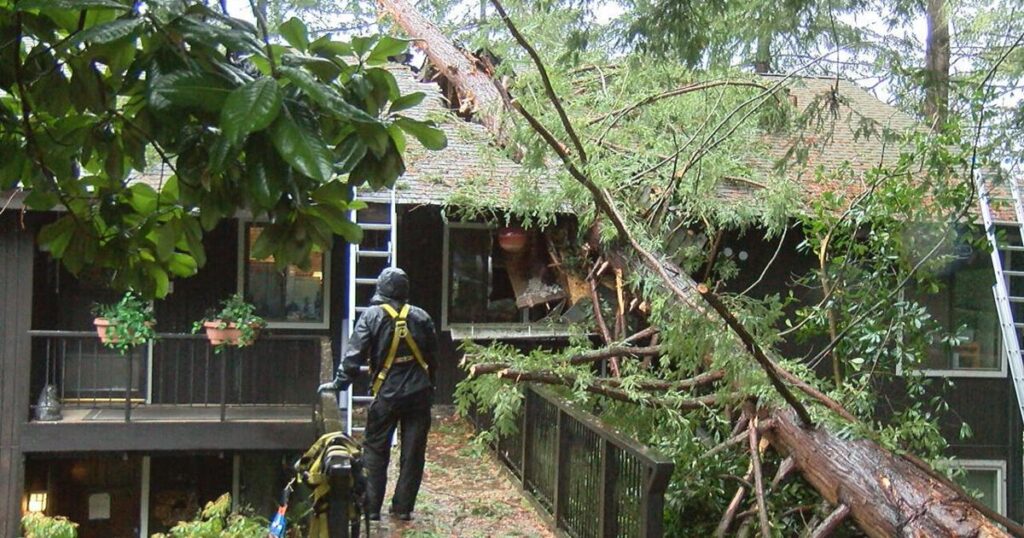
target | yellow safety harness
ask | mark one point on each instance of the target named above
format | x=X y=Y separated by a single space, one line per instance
x=401 y=333
x=310 y=472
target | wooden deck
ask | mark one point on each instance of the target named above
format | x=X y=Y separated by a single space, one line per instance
x=181 y=413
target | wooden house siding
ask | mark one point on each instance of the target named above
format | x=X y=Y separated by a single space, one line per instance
x=16 y=275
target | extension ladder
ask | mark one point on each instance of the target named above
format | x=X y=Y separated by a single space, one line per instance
x=1002 y=291
x=377 y=250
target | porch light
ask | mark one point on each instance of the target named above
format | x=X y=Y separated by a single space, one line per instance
x=37 y=501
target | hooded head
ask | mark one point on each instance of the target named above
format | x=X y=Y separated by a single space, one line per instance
x=392 y=287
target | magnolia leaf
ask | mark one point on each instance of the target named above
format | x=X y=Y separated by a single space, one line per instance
x=303 y=150
x=430 y=136
x=387 y=46
x=106 y=32
x=70 y=4
x=294 y=32
x=325 y=95
x=407 y=101
x=252 y=107
x=188 y=89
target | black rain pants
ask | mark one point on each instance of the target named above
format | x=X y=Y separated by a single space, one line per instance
x=412 y=412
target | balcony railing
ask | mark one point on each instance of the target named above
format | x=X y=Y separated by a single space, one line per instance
x=591 y=480
x=178 y=377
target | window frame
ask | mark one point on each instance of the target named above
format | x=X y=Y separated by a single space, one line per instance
x=999 y=466
x=240 y=281
x=990 y=373
x=486 y=331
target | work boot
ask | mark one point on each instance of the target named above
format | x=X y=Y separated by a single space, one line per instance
x=403 y=516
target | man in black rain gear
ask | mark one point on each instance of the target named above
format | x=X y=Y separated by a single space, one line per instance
x=403 y=366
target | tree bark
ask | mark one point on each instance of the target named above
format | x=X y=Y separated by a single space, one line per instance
x=887 y=494
x=936 y=70
x=478 y=94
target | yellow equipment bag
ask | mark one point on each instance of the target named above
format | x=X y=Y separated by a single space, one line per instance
x=309 y=470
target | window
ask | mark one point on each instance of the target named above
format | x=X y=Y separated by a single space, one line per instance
x=292 y=298
x=486 y=287
x=965 y=306
x=986 y=479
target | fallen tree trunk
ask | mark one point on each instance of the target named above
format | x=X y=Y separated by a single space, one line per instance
x=476 y=90
x=887 y=495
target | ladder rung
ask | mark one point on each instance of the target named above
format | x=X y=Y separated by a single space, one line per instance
x=1012 y=248
x=1019 y=325
x=364 y=369
x=1013 y=273
x=1014 y=299
x=358 y=429
x=374 y=226
x=361 y=309
x=362 y=399
x=373 y=253
x=367 y=281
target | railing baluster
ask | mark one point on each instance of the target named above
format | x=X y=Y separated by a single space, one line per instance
x=128 y=386
x=224 y=382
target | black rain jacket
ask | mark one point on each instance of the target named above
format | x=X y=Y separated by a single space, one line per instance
x=371 y=339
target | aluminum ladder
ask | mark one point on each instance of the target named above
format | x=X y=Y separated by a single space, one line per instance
x=365 y=260
x=1003 y=293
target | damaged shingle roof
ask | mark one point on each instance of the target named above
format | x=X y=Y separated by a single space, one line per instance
x=469 y=162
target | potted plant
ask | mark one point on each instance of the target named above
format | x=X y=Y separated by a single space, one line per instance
x=126 y=323
x=235 y=324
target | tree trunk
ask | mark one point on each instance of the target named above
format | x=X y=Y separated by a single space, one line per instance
x=936 y=70
x=477 y=93
x=887 y=495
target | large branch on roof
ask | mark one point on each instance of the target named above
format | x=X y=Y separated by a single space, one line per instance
x=887 y=494
x=477 y=90
x=682 y=90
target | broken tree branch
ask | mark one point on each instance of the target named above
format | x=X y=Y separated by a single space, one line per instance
x=548 y=88
x=755 y=460
x=832 y=522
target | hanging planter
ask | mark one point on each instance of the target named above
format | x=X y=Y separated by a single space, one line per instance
x=125 y=324
x=512 y=239
x=220 y=332
x=236 y=324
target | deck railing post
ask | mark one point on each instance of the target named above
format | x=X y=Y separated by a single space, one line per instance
x=561 y=465
x=128 y=386
x=603 y=491
x=225 y=353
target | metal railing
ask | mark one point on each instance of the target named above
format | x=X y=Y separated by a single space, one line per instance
x=591 y=480
x=176 y=373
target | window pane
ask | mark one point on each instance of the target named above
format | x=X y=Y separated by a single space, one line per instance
x=965 y=307
x=479 y=290
x=293 y=295
x=984 y=484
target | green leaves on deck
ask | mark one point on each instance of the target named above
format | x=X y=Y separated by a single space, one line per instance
x=157 y=124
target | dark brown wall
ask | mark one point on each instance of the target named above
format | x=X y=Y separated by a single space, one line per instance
x=420 y=245
x=16 y=263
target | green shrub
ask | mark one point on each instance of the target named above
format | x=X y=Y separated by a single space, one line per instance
x=216 y=520
x=36 y=525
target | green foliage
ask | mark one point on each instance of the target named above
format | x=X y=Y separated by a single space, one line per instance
x=234 y=313
x=131 y=322
x=216 y=520
x=37 y=525
x=149 y=126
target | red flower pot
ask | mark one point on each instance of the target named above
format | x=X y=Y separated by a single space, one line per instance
x=230 y=334
x=512 y=239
